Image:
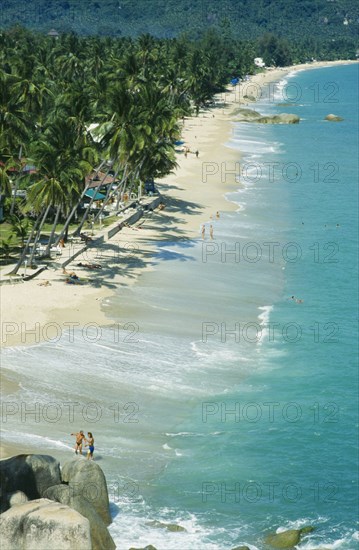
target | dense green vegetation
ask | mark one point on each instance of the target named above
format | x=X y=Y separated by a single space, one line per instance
x=136 y=91
x=320 y=19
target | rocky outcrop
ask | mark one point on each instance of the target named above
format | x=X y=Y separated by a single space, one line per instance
x=287 y=539
x=284 y=118
x=334 y=118
x=248 y=115
x=100 y=537
x=86 y=480
x=42 y=524
x=149 y=547
x=79 y=507
x=31 y=474
x=241 y=548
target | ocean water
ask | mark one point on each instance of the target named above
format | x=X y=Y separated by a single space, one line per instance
x=218 y=402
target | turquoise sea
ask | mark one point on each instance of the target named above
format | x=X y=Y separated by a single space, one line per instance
x=219 y=402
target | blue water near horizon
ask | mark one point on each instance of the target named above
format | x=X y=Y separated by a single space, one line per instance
x=244 y=401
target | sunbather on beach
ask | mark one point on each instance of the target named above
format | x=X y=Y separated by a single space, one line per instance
x=71 y=274
x=44 y=283
x=90 y=266
x=73 y=281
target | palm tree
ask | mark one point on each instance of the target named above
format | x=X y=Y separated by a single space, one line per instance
x=14 y=129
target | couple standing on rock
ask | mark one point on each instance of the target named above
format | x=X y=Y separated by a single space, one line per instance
x=90 y=443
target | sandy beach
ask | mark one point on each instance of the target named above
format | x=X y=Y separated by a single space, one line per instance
x=193 y=194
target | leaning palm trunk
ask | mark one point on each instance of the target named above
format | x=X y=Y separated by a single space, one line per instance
x=87 y=211
x=38 y=233
x=123 y=184
x=65 y=228
x=54 y=225
x=26 y=247
x=109 y=194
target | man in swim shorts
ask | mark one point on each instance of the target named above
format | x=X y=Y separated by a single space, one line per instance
x=80 y=436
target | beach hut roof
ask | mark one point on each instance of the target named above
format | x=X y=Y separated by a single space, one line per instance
x=91 y=192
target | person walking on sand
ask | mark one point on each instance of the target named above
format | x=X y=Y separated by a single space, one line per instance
x=203 y=231
x=211 y=231
x=197 y=153
x=217 y=215
x=80 y=436
x=90 y=443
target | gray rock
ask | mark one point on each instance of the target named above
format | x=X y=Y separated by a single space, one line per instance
x=149 y=547
x=284 y=118
x=86 y=480
x=334 y=118
x=42 y=525
x=17 y=498
x=31 y=474
x=59 y=493
x=241 y=548
x=287 y=539
x=100 y=536
x=169 y=526
x=246 y=115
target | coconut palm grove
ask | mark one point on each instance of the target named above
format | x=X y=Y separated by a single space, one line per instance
x=75 y=110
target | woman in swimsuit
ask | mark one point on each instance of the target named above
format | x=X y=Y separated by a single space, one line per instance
x=91 y=445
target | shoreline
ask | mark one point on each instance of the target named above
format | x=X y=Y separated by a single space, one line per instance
x=188 y=206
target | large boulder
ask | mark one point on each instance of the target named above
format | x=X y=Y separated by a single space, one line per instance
x=31 y=474
x=86 y=480
x=241 y=548
x=287 y=539
x=246 y=115
x=148 y=547
x=334 y=118
x=42 y=524
x=100 y=536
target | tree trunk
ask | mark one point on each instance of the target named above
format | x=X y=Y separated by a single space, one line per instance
x=51 y=238
x=87 y=211
x=65 y=229
x=24 y=252
x=106 y=199
x=38 y=233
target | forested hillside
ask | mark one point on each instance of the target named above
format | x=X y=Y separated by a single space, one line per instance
x=295 y=19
